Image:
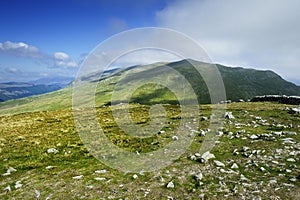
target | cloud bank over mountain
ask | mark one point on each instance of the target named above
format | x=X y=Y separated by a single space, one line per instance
x=254 y=33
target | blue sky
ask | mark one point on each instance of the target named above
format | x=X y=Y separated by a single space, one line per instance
x=73 y=27
x=40 y=38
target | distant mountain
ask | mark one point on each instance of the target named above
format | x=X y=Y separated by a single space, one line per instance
x=61 y=81
x=240 y=83
x=15 y=90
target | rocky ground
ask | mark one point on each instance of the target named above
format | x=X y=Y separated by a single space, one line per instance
x=256 y=156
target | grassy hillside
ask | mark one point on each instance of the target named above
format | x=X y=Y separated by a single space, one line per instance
x=262 y=143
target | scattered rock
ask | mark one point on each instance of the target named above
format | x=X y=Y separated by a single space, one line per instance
x=37 y=194
x=90 y=187
x=52 y=150
x=253 y=137
x=170 y=185
x=7 y=189
x=77 y=177
x=102 y=171
x=262 y=169
x=219 y=164
x=245 y=149
x=202 y=133
x=135 y=176
x=243 y=178
x=49 y=196
x=228 y=115
x=18 y=185
x=100 y=179
x=207 y=155
x=291 y=160
x=289 y=133
x=293 y=179
x=234 y=166
x=175 y=138
x=9 y=171
x=199 y=176
x=294 y=111
x=204 y=118
x=201 y=196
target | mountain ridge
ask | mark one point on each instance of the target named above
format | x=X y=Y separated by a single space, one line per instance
x=240 y=83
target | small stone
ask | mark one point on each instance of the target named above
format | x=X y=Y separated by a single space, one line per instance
x=245 y=149
x=102 y=171
x=204 y=118
x=243 y=178
x=100 y=179
x=197 y=154
x=170 y=185
x=135 y=176
x=199 y=176
x=288 y=170
x=77 y=177
x=11 y=169
x=202 y=133
x=289 y=133
x=18 y=185
x=8 y=171
x=293 y=153
x=49 y=196
x=90 y=187
x=220 y=133
x=262 y=169
x=293 y=179
x=228 y=115
x=37 y=194
x=52 y=150
x=175 y=138
x=193 y=157
x=201 y=196
x=254 y=137
x=234 y=166
x=207 y=155
x=294 y=111
x=50 y=167
x=291 y=160
x=219 y=164
x=235 y=152
x=275 y=162
x=8 y=188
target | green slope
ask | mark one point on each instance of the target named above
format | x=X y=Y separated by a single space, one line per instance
x=239 y=83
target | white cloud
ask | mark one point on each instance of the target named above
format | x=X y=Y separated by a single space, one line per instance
x=61 y=56
x=261 y=34
x=63 y=60
x=21 y=49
